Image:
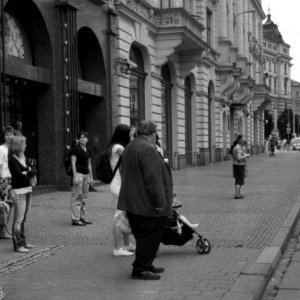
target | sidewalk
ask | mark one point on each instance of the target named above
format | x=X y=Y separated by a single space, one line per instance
x=247 y=236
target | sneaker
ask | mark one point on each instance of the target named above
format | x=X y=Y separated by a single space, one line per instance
x=131 y=247
x=121 y=252
x=195 y=226
x=22 y=250
x=29 y=246
x=6 y=235
x=78 y=223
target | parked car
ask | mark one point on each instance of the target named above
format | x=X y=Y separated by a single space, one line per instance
x=296 y=143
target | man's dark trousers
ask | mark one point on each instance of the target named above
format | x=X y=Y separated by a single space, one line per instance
x=148 y=232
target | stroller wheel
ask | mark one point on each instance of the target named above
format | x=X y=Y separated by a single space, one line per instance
x=200 y=246
x=207 y=246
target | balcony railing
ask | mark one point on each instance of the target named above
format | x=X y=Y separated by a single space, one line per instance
x=174 y=14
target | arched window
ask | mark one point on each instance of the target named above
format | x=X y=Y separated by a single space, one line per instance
x=188 y=120
x=166 y=87
x=137 y=87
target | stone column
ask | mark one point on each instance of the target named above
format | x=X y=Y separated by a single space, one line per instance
x=223 y=19
x=230 y=21
x=239 y=20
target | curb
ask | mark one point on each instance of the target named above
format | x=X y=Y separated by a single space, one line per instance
x=253 y=279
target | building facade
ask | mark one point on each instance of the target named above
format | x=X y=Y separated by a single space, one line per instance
x=277 y=68
x=194 y=67
x=295 y=97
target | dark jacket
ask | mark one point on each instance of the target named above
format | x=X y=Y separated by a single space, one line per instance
x=19 y=180
x=146 y=180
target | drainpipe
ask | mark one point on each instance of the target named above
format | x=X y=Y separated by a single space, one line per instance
x=109 y=35
x=3 y=81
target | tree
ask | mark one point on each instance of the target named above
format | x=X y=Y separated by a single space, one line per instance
x=285 y=118
x=269 y=124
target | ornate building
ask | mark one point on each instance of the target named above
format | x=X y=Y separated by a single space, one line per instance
x=277 y=68
x=194 y=67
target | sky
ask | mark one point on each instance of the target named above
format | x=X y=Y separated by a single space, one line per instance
x=286 y=14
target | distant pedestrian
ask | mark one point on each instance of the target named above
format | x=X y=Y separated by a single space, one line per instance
x=119 y=140
x=146 y=195
x=239 y=164
x=22 y=174
x=82 y=177
x=273 y=144
x=5 y=183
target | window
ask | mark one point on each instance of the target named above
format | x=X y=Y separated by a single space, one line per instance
x=166 y=113
x=285 y=69
x=208 y=27
x=275 y=85
x=188 y=120
x=137 y=87
x=285 y=86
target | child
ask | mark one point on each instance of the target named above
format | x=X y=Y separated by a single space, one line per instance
x=178 y=229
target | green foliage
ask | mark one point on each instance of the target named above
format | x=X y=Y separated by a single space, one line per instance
x=285 y=118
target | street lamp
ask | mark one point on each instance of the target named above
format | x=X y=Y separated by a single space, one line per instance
x=242 y=13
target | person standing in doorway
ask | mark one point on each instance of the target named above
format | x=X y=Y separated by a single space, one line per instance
x=82 y=177
x=5 y=182
x=239 y=165
x=146 y=195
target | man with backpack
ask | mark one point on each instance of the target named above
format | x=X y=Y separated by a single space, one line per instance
x=273 y=144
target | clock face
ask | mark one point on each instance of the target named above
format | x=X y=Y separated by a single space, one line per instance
x=13 y=38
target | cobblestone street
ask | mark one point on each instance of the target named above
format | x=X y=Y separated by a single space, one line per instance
x=76 y=262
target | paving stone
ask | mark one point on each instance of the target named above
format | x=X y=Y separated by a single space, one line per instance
x=239 y=230
x=292 y=279
x=288 y=295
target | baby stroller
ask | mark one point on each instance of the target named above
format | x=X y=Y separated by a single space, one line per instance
x=179 y=231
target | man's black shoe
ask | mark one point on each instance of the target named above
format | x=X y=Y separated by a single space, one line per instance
x=156 y=270
x=145 y=275
x=78 y=223
x=86 y=221
x=92 y=189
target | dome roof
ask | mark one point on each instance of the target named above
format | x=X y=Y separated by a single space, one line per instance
x=271 y=32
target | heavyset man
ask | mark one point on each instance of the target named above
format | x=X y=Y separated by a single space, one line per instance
x=146 y=195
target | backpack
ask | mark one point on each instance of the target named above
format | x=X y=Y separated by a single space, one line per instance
x=67 y=163
x=231 y=150
x=103 y=169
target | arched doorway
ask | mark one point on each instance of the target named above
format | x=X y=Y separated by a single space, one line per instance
x=188 y=120
x=211 y=124
x=137 y=86
x=25 y=93
x=92 y=78
x=166 y=112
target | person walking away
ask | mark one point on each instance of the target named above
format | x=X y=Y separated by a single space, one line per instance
x=5 y=182
x=119 y=140
x=239 y=163
x=273 y=143
x=82 y=177
x=21 y=173
x=146 y=196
